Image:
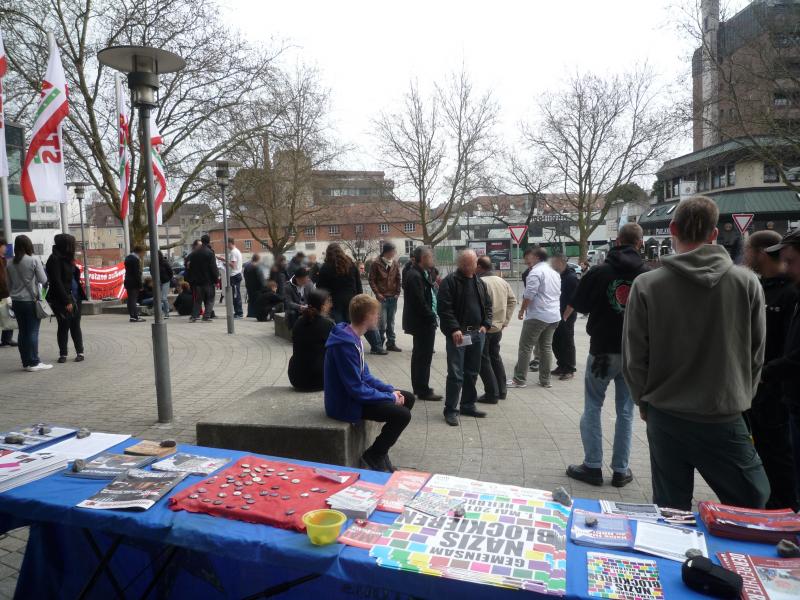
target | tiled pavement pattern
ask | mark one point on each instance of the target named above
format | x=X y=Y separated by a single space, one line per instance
x=527 y=439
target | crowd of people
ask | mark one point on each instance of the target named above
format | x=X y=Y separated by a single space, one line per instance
x=708 y=351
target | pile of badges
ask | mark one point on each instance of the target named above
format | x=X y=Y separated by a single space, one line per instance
x=256 y=491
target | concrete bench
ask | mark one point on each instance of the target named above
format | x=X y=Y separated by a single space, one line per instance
x=282 y=326
x=120 y=308
x=283 y=422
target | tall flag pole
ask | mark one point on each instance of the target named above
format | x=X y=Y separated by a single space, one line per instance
x=5 y=203
x=123 y=125
x=43 y=177
x=159 y=175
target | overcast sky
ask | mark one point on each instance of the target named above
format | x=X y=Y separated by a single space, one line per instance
x=368 y=52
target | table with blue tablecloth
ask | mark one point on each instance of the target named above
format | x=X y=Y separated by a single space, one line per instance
x=177 y=554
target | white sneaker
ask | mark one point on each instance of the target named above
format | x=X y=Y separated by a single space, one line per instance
x=40 y=367
x=513 y=383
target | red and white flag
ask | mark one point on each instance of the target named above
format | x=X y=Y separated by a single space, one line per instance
x=3 y=153
x=159 y=176
x=123 y=126
x=43 y=177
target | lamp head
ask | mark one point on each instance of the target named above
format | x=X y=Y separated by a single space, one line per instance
x=80 y=189
x=223 y=171
x=143 y=66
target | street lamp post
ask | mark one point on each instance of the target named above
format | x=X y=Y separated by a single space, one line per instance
x=223 y=180
x=80 y=194
x=143 y=66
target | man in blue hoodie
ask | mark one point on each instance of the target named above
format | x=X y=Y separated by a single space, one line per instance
x=352 y=393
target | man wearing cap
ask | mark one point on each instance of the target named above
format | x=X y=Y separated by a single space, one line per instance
x=786 y=368
x=384 y=279
x=769 y=416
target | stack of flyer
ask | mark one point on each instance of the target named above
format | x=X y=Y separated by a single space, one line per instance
x=33 y=436
x=19 y=468
x=357 y=501
x=193 y=464
x=134 y=489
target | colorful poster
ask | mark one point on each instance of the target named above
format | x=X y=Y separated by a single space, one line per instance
x=623 y=578
x=765 y=578
x=106 y=282
x=516 y=541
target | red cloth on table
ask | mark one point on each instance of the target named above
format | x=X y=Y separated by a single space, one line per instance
x=267 y=509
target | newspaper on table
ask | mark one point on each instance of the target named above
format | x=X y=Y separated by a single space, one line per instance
x=509 y=536
x=668 y=541
x=357 y=501
x=193 y=464
x=109 y=465
x=135 y=489
x=644 y=512
x=32 y=438
x=20 y=468
x=765 y=578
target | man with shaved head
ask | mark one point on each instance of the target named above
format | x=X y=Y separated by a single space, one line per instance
x=465 y=314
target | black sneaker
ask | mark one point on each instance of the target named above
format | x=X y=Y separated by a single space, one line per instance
x=374 y=463
x=451 y=419
x=79 y=358
x=487 y=399
x=585 y=474
x=430 y=397
x=138 y=320
x=533 y=367
x=472 y=412
x=62 y=359
x=557 y=371
x=622 y=479
x=393 y=348
x=378 y=351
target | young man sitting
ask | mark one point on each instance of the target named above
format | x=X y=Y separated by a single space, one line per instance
x=352 y=393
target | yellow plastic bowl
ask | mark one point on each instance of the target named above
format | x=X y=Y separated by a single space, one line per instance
x=323 y=526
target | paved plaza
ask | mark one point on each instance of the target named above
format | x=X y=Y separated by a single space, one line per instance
x=528 y=439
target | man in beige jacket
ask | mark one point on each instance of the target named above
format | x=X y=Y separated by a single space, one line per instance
x=493 y=373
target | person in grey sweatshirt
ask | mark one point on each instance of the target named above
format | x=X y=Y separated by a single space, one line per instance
x=693 y=348
x=25 y=273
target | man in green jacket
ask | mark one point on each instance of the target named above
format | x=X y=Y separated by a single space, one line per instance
x=693 y=347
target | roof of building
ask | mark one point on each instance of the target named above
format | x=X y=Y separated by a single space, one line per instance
x=774 y=201
x=97 y=213
x=716 y=154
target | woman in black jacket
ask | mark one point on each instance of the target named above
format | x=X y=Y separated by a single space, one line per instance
x=339 y=275
x=307 y=364
x=278 y=274
x=65 y=295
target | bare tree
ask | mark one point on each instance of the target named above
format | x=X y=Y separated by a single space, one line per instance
x=595 y=136
x=750 y=80
x=361 y=248
x=198 y=107
x=437 y=149
x=274 y=192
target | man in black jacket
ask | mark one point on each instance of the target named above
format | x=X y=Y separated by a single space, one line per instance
x=786 y=368
x=296 y=295
x=203 y=273
x=419 y=319
x=564 y=336
x=769 y=415
x=133 y=282
x=254 y=282
x=465 y=313
x=603 y=293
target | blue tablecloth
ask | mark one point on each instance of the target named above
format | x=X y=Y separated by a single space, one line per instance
x=232 y=559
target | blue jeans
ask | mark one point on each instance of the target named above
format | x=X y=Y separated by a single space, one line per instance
x=164 y=299
x=591 y=427
x=236 y=288
x=388 y=312
x=28 y=337
x=463 y=366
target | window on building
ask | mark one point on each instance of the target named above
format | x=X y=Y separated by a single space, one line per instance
x=701 y=177
x=717 y=177
x=359 y=228
x=667 y=190
x=676 y=187
x=248 y=244
x=264 y=246
x=383 y=228
x=39 y=249
x=731 y=175
x=409 y=227
x=310 y=231
x=771 y=174
x=781 y=100
x=409 y=246
x=333 y=230
x=311 y=246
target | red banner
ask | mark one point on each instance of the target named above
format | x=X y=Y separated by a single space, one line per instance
x=106 y=282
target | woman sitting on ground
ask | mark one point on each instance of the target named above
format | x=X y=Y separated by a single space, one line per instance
x=309 y=334
x=184 y=301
